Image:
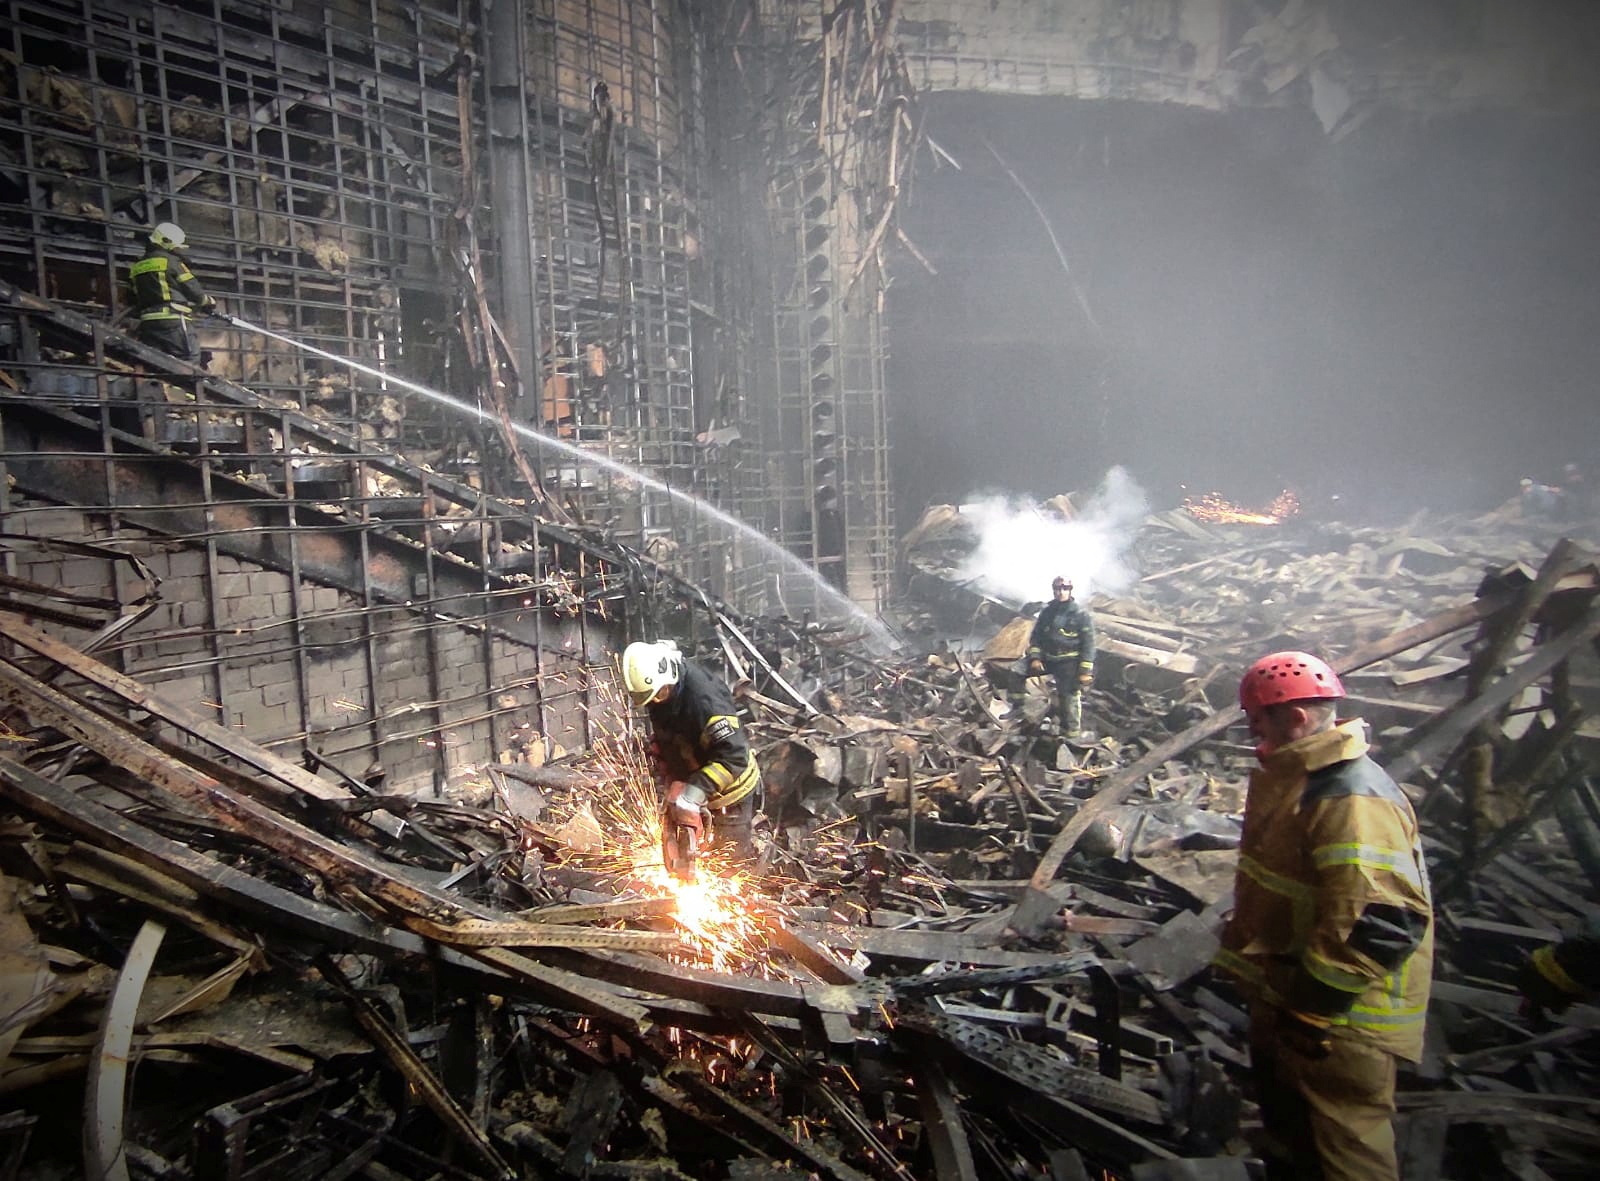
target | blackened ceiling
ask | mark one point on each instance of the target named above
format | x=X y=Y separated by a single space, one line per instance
x=1406 y=317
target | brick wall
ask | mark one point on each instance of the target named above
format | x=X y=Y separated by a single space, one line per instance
x=425 y=700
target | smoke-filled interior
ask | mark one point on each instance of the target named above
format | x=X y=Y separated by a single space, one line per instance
x=759 y=590
x=1399 y=319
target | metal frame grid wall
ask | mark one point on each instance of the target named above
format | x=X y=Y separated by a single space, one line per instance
x=828 y=434
x=314 y=152
x=310 y=151
x=618 y=309
x=732 y=256
x=426 y=631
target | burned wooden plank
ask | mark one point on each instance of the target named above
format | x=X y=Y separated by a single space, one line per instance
x=510 y=933
x=941 y=1119
x=719 y=1105
x=225 y=808
x=1444 y=733
x=140 y=697
x=304 y=916
x=416 y=1073
x=805 y=950
x=929 y=946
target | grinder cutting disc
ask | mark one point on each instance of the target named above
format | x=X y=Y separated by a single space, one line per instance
x=680 y=849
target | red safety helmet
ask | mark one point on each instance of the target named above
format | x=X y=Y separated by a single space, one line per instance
x=1287 y=676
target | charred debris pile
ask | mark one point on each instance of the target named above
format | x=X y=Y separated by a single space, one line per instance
x=970 y=948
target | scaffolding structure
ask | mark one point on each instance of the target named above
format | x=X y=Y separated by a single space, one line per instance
x=293 y=580
x=308 y=152
x=568 y=218
x=841 y=153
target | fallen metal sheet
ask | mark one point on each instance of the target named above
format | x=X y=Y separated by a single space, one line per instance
x=972 y=979
x=999 y=1085
x=1038 y=1067
x=1183 y=947
x=1204 y=874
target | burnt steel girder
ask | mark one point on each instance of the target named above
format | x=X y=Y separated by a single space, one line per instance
x=46 y=455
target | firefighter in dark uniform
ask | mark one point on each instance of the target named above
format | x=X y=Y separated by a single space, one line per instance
x=1062 y=644
x=165 y=293
x=701 y=749
x=1560 y=973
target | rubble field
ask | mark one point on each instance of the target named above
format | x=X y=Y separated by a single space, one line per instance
x=969 y=948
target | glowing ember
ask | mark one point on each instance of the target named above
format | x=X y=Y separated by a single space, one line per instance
x=1212 y=507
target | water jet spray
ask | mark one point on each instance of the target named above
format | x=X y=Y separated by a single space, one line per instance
x=826 y=593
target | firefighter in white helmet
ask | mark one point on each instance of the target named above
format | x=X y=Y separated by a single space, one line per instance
x=166 y=293
x=700 y=750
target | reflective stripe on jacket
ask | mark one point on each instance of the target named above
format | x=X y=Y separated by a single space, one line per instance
x=1573 y=965
x=1063 y=634
x=1332 y=913
x=163 y=286
x=701 y=740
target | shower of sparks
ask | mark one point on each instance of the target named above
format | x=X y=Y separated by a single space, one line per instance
x=1212 y=507
x=714 y=913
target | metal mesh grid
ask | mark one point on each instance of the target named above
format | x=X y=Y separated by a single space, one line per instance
x=324 y=159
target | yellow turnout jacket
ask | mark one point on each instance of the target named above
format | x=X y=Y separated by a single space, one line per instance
x=1332 y=914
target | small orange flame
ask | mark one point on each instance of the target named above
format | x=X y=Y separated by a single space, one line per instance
x=1212 y=507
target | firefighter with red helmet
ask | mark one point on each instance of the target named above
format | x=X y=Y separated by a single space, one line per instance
x=1331 y=934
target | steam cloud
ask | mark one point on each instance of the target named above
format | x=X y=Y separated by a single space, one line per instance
x=1021 y=547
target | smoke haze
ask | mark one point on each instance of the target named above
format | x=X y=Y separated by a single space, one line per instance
x=1399 y=316
x=1021 y=546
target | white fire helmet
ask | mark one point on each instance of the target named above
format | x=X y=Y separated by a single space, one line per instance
x=647 y=668
x=169 y=236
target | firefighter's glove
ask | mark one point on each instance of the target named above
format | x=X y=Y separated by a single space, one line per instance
x=1544 y=985
x=1305 y=1035
x=1085 y=679
x=1036 y=668
x=686 y=804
